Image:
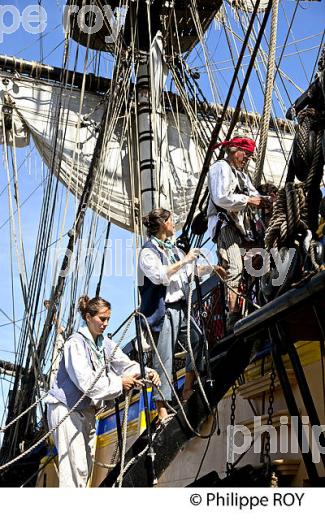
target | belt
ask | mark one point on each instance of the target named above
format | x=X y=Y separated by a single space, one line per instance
x=178 y=304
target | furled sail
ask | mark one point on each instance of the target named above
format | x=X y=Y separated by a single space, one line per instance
x=64 y=126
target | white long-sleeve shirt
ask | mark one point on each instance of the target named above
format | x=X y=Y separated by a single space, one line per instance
x=109 y=386
x=177 y=283
x=80 y=368
x=223 y=182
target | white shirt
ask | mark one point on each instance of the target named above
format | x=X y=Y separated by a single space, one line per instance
x=177 y=284
x=82 y=374
x=222 y=183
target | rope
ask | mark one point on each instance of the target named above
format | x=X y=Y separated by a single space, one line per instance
x=312 y=250
x=135 y=459
x=2 y=430
x=116 y=449
x=240 y=295
x=44 y=437
x=124 y=433
x=34 y=287
x=103 y=465
x=268 y=95
x=189 y=307
x=287 y=218
x=296 y=208
x=312 y=184
x=19 y=248
x=40 y=260
x=262 y=55
x=197 y=434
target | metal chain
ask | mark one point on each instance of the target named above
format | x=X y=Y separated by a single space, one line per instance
x=230 y=465
x=266 y=451
x=233 y=405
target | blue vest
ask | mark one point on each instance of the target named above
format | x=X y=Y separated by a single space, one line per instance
x=153 y=296
x=63 y=389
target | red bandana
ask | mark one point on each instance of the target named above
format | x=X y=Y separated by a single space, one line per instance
x=243 y=143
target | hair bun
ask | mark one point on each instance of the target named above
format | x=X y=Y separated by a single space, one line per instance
x=82 y=302
x=91 y=306
x=154 y=219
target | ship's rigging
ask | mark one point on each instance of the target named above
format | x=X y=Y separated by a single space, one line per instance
x=112 y=142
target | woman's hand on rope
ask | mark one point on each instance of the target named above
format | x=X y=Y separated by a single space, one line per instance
x=129 y=382
x=191 y=256
x=188 y=259
x=154 y=377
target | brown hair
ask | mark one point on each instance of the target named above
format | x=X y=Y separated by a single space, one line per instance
x=93 y=305
x=154 y=219
x=231 y=149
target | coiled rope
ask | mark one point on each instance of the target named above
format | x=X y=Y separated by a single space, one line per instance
x=296 y=208
x=287 y=218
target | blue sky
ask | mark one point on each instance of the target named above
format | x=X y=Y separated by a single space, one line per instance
x=48 y=47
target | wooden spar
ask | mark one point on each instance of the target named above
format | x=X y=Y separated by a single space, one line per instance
x=99 y=84
x=36 y=70
x=9 y=369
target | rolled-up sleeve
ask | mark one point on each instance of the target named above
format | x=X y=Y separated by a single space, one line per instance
x=152 y=267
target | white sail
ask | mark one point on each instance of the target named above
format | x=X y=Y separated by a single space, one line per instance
x=64 y=127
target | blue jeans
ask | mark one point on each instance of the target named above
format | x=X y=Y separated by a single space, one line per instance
x=174 y=328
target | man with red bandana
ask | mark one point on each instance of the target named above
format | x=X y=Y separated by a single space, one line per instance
x=231 y=194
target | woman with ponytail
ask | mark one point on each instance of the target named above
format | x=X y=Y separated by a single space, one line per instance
x=86 y=355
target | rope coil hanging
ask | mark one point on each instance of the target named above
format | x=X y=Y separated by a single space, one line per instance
x=287 y=219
